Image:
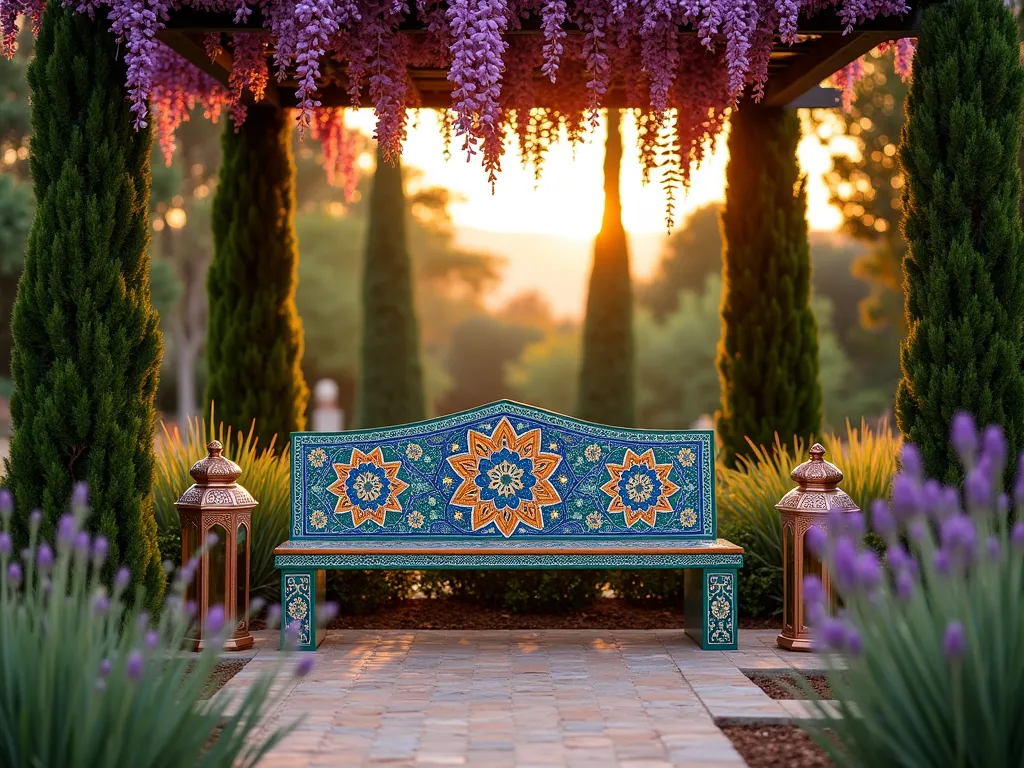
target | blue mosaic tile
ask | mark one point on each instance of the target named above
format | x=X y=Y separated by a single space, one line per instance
x=503 y=470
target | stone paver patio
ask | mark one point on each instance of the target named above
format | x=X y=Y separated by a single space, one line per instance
x=575 y=698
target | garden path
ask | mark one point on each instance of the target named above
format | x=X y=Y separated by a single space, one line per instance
x=573 y=698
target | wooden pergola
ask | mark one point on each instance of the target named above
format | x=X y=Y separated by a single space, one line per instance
x=795 y=71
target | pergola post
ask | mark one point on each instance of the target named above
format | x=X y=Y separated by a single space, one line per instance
x=87 y=345
x=254 y=342
x=606 y=392
x=768 y=353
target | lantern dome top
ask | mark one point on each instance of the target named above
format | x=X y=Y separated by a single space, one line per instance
x=816 y=471
x=817 y=486
x=215 y=469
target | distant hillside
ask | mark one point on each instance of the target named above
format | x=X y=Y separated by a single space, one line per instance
x=556 y=267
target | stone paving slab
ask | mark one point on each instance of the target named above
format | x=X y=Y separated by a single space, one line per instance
x=544 y=698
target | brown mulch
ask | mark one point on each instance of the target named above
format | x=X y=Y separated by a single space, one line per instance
x=781 y=686
x=223 y=672
x=450 y=613
x=776 y=746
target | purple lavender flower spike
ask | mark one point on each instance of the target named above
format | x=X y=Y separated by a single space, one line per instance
x=882 y=521
x=65 y=532
x=212 y=539
x=1018 y=488
x=904 y=585
x=942 y=563
x=816 y=540
x=35 y=519
x=1017 y=535
x=274 y=615
x=854 y=645
x=813 y=591
x=918 y=530
x=896 y=556
x=978 y=488
x=910 y=461
x=993 y=447
x=869 y=570
x=906 y=497
x=122 y=579
x=101 y=605
x=100 y=548
x=854 y=524
x=44 y=557
x=844 y=563
x=305 y=665
x=958 y=538
x=152 y=640
x=105 y=667
x=954 y=642
x=5 y=544
x=992 y=548
x=135 y=665
x=80 y=496
x=143 y=621
x=833 y=634
x=6 y=505
x=215 y=620
x=328 y=611
x=1002 y=505
x=963 y=435
x=81 y=543
x=14 y=574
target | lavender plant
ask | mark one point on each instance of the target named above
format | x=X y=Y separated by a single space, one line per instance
x=932 y=636
x=87 y=678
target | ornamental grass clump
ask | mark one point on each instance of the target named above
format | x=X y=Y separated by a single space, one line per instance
x=88 y=678
x=931 y=633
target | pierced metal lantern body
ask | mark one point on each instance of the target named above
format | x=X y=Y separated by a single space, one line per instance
x=216 y=504
x=816 y=495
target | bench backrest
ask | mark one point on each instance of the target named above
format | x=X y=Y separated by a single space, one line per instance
x=502 y=470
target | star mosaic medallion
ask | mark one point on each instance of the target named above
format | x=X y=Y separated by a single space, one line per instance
x=639 y=487
x=368 y=487
x=506 y=479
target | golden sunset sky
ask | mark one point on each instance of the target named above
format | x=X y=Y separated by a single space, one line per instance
x=544 y=231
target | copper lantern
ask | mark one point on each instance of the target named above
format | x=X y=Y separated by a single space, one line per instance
x=216 y=504
x=816 y=495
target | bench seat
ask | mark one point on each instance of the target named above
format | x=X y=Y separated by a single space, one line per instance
x=503 y=487
x=369 y=552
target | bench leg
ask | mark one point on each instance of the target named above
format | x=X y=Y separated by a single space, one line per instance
x=710 y=597
x=300 y=591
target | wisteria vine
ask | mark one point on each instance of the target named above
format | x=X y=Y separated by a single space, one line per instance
x=682 y=63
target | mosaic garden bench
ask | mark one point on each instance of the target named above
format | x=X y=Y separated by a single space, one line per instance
x=508 y=486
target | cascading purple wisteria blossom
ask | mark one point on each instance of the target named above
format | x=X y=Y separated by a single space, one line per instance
x=177 y=87
x=478 y=50
x=683 y=84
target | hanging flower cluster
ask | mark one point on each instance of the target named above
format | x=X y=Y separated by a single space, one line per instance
x=684 y=63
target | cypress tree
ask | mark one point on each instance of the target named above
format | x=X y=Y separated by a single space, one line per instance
x=963 y=267
x=768 y=353
x=87 y=344
x=606 y=391
x=391 y=381
x=254 y=339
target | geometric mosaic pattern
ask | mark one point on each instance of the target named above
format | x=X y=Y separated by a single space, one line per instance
x=506 y=471
x=297 y=603
x=720 y=597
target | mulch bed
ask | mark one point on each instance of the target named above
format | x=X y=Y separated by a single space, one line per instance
x=223 y=672
x=776 y=746
x=449 y=613
x=781 y=686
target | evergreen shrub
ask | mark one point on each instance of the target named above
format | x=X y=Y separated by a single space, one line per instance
x=520 y=591
x=964 y=265
x=768 y=353
x=87 y=345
